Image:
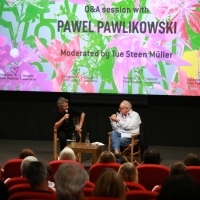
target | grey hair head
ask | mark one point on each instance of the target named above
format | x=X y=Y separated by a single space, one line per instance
x=26 y=161
x=70 y=179
x=61 y=100
x=67 y=154
x=36 y=173
x=127 y=104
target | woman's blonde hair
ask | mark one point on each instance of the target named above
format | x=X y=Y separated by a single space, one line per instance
x=107 y=157
x=109 y=184
x=129 y=172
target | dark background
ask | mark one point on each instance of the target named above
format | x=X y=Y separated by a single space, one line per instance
x=168 y=120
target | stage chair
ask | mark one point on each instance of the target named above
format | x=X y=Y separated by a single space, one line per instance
x=141 y=195
x=194 y=172
x=131 y=150
x=33 y=195
x=97 y=168
x=134 y=186
x=12 y=168
x=14 y=181
x=56 y=141
x=56 y=163
x=150 y=175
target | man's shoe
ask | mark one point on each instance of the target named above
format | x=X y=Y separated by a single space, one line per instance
x=117 y=155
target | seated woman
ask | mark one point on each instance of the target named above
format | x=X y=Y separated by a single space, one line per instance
x=67 y=154
x=128 y=172
x=110 y=184
x=151 y=156
x=26 y=152
x=191 y=160
x=106 y=157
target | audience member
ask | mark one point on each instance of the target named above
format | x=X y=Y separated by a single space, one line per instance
x=151 y=156
x=110 y=184
x=178 y=168
x=129 y=172
x=67 y=154
x=106 y=157
x=25 y=163
x=49 y=174
x=70 y=179
x=191 y=160
x=36 y=174
x=179 y=187
x=26 y=152
x=4 y=194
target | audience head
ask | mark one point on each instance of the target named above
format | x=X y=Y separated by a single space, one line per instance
x=26 y=152
x=25 y=162
x=178 y=168
x=36 y=174
x=129 y=172
x=70 y=179
x=151 y=156
x=191 y=160
x=67 y=154
x=180 y=187
x=106 y=157
x=109 y=184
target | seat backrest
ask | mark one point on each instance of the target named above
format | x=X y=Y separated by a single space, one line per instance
x=14 y=181
x=102 y=198
x=23 y=187
x=194 y=172
x=87 y=191
x=97 y=168
x=150 y=175
x=134 y=186
x=12 y=168
x=33 y=195
x=141 y=195
x=89 y=184
x=56 y=163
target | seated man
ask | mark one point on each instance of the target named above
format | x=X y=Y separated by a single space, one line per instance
x=62 y=118
x=37 y=176
x=70 y=180
x=124 y=124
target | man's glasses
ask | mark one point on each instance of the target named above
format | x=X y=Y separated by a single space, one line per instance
x=122 y=108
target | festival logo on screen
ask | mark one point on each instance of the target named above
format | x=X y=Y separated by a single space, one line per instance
x=112 y=46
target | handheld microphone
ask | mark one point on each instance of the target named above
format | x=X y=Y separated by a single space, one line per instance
x=66 y=111
x=117 y=113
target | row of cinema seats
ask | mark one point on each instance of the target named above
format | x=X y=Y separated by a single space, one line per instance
x=149 y=174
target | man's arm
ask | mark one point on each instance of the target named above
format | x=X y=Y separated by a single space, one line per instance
x=82 y=118
x=59 y=123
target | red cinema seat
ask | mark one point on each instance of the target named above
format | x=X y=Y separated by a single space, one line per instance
x=141 y=195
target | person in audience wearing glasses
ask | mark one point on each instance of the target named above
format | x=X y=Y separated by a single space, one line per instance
x=62 y=118
x=124 y=124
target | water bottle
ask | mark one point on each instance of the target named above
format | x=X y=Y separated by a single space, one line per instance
x=87 y=139
x=73 y=139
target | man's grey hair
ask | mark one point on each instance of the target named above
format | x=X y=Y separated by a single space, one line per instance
x=36 y=173
x=67 y=154
x=25 y=162
x=70 y=179
x=127 y=104
x=61 y=100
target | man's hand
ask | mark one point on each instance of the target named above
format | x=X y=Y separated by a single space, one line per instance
x=113 y=117
x=66 y=116
x=78 y=128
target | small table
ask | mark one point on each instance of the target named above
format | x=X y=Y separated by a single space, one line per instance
x=95 y=150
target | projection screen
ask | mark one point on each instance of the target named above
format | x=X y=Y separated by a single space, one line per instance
x=149 y=47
